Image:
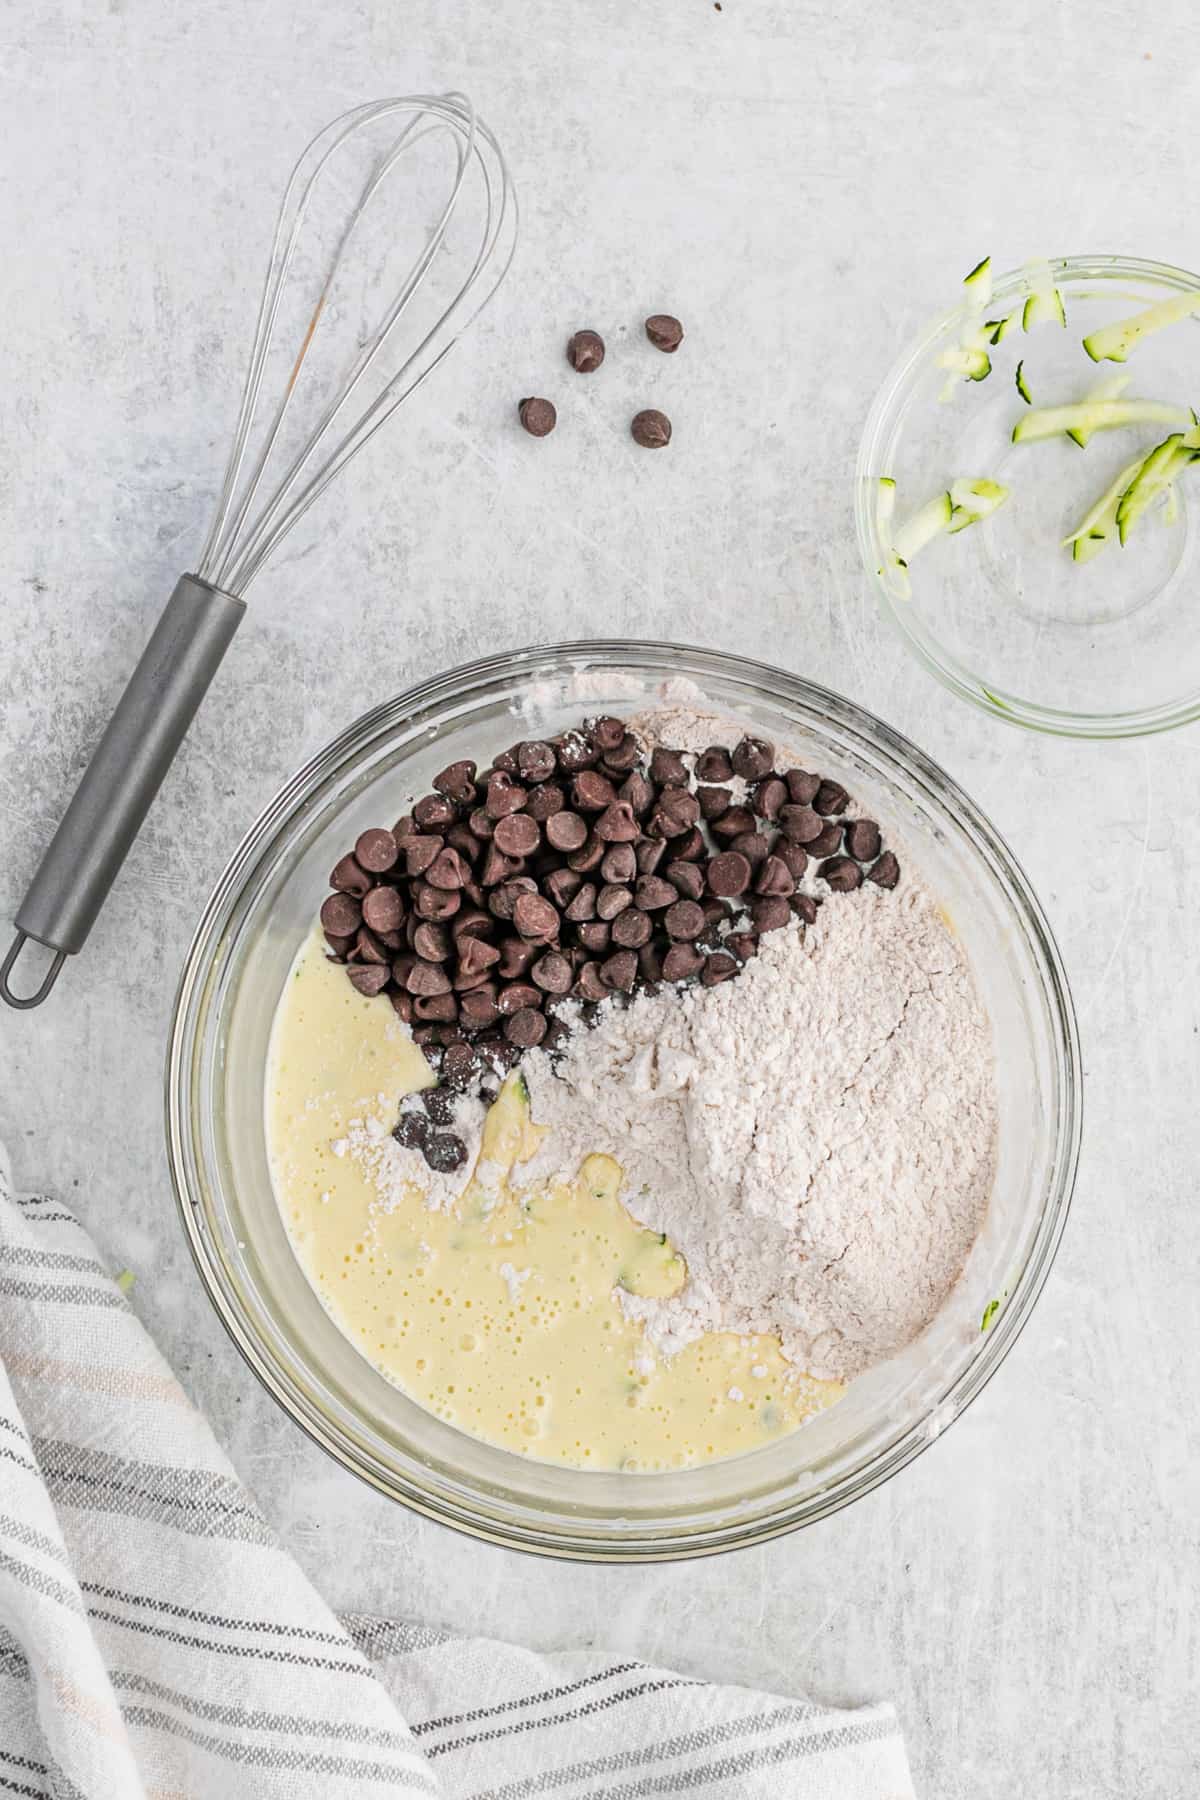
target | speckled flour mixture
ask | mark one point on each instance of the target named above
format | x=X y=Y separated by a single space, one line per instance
x=818 y=1137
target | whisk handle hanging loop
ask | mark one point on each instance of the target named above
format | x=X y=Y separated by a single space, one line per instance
x=125 y=773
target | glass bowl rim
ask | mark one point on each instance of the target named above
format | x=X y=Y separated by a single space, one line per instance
x=783 y=688
x=890 y=399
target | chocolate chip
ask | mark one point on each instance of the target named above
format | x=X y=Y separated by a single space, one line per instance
x=650 y=965
x=566 y=831
x=734 y=822
x=691 y=847
x=439 y=1007
x=675 y=811
x=552 y=973
x=535 y=917
x=576 y=750
x=862 y=840
x=426 y=978
x=592 y=792
x=460 y=1066
x=769 y=796
x=713 y=801
x=753 y=758
x=438 y=1103
x=419 y=853
x=607 y=731
x=828 y=841
x=583 y=906
x=516 y=956
x=411 y=1129
x=588 y=984
x=632 y=928
x=687 y=877
x=433 y=812
x=800 y=824
x=620 y=971
x=684 y=921
x=801 y=786
x=349 y=877
x=681 y=962
x=622 y=759
x=886 y=872
x=754 y=846
x=775 y=878
x=370 y=978
x=717 y=968
x=447 y=870
x=831 y=798
x=377 y=851
x=652 y=893
x=504 y=795
x=585 y=351
x=769 y=912
x=340 y=947
x=743 y=944
x=595 y=936
x=545 y=801
x=475 y=955
x=463 y=839
x=620 y=863
x=502 y=902
x=516 y=835
x=729 y=874
x=714 y=764
x=792 y=856
x=651 y=429
x=617 y=825
x=668 y=766
x=563 y=885
x=478 y=1008
x=518 y=995
x=432 y=942
x=611 y=900
x=498 y=868
x=589 y=856
x=404 y=828
x=341 y=914
x=457 y=782
x=537 y=416
x=649 y=854
x=664 y=331
x=525 y=1028
x=444 y=1152
x=638 y=793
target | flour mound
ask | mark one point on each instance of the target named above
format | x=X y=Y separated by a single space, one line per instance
x=818 y=1136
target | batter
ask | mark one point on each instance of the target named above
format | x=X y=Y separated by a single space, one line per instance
x=499 y=1314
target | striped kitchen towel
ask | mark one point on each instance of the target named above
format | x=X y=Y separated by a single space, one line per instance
x=156 y=1640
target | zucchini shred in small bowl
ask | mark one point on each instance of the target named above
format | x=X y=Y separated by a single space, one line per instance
x=263 y=908
x=1002 y=613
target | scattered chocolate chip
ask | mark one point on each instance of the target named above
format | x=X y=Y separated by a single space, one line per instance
x=616 y=824
x=717 y=968
x=743 y=944
x=754 y=846
x=526 y=1028
x=576 y=750
x=444 y=1152
x=675 y=811
x=563 y=885
x=734 y=822
x=769 y=796
x=377 y=851
x=478 y=1008
x=516 y=958
x=622 y=759
x=588 y=983
x=411 y=1130
x=457 y=782
x=831 y=798
x=632 y=928
x=589 y=856
x=729 y=874
x=438 y=1103
x=545 y=801
x=792 y=856
x=800 y=824
x=536 y=760
x=435 y=903
x=775 y=877
x=432 y=942
x=419 y=853
x=566 y=831
x=713 y=802
x=591 y=792
x=886 y=872
x=349 y=877
x=664 y=331
x=370 y=978
x=552 y=973
x=668 y=767
x=447 y=870
x=341 y=914
x=517 y=996
x=862 y=840
x=620 y=863
x=684 y=921
x=433 y=812
x=801 y=786
x=651 y=429
x=537 y=416
x=427 y=978
x=826 y=843
x=516 y=835
x=439 y=1007
x=595 y=936
x=498 y=868
x=475 y=956
x=583 y=906
x=585 y=351
x=504 y=795
x=649 y=853
x=714 y=764
x=339 y=947
x=652 y=893
x=638 y=793
x=611 y=900
x=687 y=878
x=460 y=1066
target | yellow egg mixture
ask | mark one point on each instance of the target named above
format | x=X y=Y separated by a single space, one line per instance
x=500 y=1313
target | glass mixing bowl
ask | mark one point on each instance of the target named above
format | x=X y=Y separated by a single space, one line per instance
x=263 y=906
x=1000 y=612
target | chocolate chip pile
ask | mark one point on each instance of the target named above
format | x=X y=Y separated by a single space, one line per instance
x=575 y=870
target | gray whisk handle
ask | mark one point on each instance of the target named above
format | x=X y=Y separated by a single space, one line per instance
x=126 y=771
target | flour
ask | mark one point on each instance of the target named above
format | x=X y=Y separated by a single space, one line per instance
x=394 y=1170
x=818 y=1137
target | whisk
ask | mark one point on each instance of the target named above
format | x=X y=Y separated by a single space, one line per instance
x=281 y=463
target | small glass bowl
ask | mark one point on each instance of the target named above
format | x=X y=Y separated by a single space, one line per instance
x=263 y=906
x=1000 y=612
